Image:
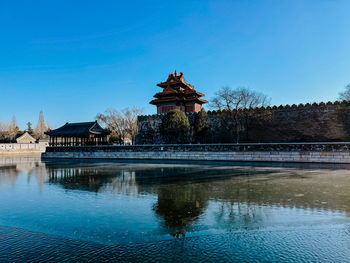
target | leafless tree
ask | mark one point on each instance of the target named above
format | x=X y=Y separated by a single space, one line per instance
x=13 y=128
x=4 y=128
x=237 y=106
x=41 y=127
x=122 y=124
x=130 y=116
x=8 y=131
x=114 y=121
x=50 y=126
x=240 y=98
x=345 y=95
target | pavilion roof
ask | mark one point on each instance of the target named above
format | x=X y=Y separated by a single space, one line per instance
x=175 y=88
x=174 y=80
x=79 y=129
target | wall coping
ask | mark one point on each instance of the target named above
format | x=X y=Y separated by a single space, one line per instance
x=246 y=147
x=275 y=107
x=218 y=144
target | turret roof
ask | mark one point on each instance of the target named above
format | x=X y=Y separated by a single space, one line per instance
x=175 y=88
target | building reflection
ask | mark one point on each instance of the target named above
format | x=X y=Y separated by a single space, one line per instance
x=31 y=166
x=184 y=193
x=8 y=174
x=93 y=178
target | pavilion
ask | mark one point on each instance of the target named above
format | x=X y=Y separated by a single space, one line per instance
x=80 y=133
x=177 y=94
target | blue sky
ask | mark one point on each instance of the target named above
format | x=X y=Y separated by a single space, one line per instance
x=74 y=59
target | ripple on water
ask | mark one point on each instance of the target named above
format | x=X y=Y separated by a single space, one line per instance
x=326 y=245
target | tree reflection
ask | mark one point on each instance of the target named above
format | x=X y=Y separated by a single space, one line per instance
x=241 y=195
x=180 y=206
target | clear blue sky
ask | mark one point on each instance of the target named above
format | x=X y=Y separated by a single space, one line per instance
x=74 y=59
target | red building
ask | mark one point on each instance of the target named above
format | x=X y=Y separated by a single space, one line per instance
x=177 y=94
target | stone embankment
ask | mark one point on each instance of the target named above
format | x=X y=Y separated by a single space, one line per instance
x=269 y=152
x=15 y=148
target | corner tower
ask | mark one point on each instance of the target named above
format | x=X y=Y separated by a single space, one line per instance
x=177 y=94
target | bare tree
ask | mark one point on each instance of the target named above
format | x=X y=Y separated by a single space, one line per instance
x=253 y=109
x=345 y=95
x=49 y=126
x=13 y=128
x=40 y=127
x=122 y=124
x=4 y=128
x=130 y=116
x=236 y=106
x=240 y=98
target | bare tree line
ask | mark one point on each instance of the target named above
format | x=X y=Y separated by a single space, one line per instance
x=9 y=130
x=123 y=124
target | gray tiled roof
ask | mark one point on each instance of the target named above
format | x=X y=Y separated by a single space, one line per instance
x=79 y=129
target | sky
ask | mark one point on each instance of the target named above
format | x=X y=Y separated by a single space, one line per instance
x=75 y=59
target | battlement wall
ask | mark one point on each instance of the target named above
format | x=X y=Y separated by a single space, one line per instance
x=317 y=122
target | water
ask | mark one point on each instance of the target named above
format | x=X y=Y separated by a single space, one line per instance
x=103 y=211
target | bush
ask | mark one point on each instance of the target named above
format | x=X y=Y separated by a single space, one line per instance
x=175 y=127
x=201 y=127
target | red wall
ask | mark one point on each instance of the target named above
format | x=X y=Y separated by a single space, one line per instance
x=192 y=107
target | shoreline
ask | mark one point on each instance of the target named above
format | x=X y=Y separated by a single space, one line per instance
x=331 y=153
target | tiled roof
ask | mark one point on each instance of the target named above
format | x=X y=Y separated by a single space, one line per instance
x=175 y=88
x=79 y=129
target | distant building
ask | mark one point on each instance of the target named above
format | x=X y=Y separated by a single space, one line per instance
x=81 y=133
x=22 y=143
x=177 y=94
x=25 y=138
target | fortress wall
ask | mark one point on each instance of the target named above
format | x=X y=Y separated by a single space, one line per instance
x=321 y=122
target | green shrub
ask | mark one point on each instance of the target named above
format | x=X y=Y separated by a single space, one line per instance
x=175 y=127
x=201 y=127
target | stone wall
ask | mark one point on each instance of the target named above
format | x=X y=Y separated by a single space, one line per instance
x=303 y=123
x=9 y=148
x=302 y=152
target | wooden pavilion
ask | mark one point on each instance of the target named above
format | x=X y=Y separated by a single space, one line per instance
x=77 y=134
x=177 y=94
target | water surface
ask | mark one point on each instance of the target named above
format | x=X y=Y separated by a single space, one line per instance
x=172 y=211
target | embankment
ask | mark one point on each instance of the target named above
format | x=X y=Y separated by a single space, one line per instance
x=269 y=152
x=22 y=148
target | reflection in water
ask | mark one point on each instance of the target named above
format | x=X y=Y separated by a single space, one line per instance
x=187 y=198
x=316 y=189
x=180 y=206
x=31 y=166
x=184 y=191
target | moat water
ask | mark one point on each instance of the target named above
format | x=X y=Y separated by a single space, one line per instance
x=172 y=212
